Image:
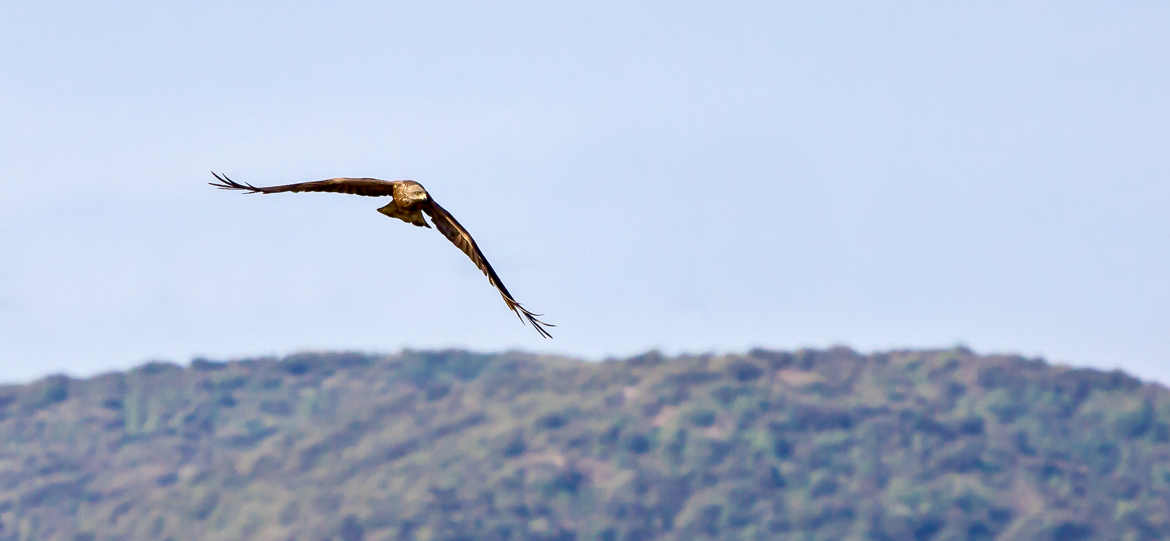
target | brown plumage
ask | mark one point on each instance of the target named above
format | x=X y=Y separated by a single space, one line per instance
x=409 y=201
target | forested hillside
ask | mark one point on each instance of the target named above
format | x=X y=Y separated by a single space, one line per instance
x=811 y=444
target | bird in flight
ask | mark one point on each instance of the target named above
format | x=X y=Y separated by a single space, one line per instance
x=410 y=201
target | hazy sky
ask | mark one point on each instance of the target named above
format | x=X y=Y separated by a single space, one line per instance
x=689 y=176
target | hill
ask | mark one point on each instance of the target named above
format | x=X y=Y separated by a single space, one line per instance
x=811 y=444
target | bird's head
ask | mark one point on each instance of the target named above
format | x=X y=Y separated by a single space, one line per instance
x=412 y=191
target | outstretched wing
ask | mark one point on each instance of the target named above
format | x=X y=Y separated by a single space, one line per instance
x=356 y=186
x=450 y=228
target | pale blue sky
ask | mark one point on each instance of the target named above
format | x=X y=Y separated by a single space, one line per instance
x=686 y=176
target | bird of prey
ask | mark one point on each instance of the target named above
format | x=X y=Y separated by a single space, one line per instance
x=409 y=201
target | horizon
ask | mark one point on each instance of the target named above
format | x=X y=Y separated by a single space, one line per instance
x=190 y=363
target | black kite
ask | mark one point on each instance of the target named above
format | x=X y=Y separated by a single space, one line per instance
x=410 y=201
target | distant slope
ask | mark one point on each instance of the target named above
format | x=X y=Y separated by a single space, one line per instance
x=458 y=445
